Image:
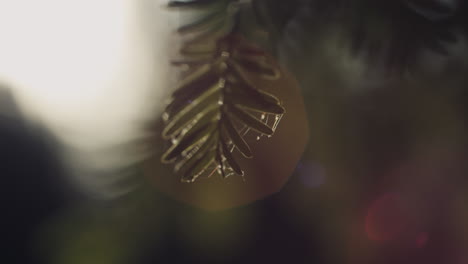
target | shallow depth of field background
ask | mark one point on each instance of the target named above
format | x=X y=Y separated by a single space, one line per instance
x=382 y=180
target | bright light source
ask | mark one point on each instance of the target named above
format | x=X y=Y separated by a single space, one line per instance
x=91 y=71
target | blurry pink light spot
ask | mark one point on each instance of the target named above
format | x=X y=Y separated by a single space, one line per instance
x=421 y=239
x=386 y=218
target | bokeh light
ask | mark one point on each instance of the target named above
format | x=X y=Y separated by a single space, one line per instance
x=422 y=239
x=386 y=218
